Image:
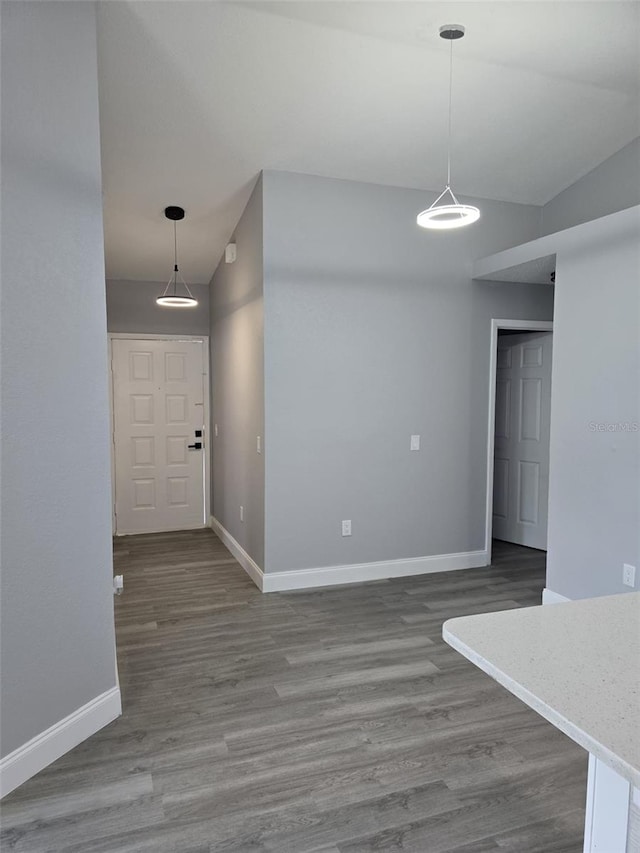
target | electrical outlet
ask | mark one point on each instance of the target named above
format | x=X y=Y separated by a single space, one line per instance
x=259 y=444
x=241 y=513
x=628 y=575
x=215 y=429
x=346 y=528
x=415 y=442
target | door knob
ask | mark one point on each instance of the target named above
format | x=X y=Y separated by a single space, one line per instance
x=196 y=446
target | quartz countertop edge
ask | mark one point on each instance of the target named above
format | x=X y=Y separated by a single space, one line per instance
x=517 y=684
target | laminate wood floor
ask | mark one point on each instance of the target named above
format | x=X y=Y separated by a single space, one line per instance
x=334 y=721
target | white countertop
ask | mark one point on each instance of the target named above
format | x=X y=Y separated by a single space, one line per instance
x=577 y=664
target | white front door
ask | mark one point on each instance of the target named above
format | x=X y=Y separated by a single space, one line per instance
x=521 y=455
x=158 y=408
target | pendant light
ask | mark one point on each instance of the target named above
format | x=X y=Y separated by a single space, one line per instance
x=453 y=215
x=171 y=298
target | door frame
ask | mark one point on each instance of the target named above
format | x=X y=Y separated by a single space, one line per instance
x=206 y=397
x=496 y=326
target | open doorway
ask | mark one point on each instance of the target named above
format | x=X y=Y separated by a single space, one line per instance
x=518 y=433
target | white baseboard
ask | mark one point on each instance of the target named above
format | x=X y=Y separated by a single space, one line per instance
x=551 y=597
x=248 y=563
x=358 y=572
x=355 y=573
x=33 y=756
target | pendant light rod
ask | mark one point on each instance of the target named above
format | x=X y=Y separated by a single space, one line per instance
x=450 y=32
x=450 y=99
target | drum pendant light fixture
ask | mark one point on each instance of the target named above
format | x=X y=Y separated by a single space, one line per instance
x=454 y=215
x=171 y=298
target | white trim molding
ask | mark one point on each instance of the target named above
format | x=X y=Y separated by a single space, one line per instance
x=354 y=573
x=248 y=563
x=551 y=597
x=496 y=325
x=33 y=756
x=383 y=570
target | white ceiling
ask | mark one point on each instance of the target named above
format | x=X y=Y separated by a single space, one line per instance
x=197 y=97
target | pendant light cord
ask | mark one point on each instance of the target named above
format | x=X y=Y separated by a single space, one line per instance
x=175 y=257
x=450 y=89
x=175 y=244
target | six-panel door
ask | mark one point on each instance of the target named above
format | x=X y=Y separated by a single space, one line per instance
x=521 y=455
x=158 y=401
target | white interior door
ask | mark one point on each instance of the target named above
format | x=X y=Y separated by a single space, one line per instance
x=521 y=451
x=158 y=407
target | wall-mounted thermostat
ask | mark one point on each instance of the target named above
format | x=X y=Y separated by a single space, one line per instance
x=230 y=253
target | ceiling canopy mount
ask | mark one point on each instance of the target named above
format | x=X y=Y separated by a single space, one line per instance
x=174 y=213
x=451 y=32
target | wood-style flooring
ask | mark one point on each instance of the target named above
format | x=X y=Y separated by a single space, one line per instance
x=334 y=721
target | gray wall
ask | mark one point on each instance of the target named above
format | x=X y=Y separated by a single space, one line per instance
x=58 y=649
x=131 y=307
x=594 y=489
x=374 y=331
x=611 y=186
x=237 y=379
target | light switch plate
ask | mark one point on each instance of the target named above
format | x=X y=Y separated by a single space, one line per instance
x=415 y=442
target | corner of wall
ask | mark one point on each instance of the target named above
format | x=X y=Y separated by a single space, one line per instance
x=237 y=383
x=606 y=189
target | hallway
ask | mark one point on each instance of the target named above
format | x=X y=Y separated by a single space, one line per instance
x=334 y=721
